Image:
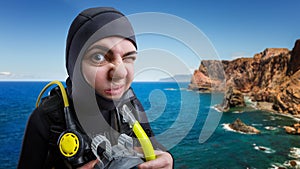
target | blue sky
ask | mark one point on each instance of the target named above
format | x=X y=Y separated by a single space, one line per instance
x=33 y=33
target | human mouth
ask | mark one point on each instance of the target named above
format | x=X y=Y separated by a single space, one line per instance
x=115 y=90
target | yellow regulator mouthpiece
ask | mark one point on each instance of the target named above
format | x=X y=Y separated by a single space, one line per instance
x=69 y=144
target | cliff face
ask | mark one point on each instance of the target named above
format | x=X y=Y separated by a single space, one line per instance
x=294 y=64
x=272 y=76
x=209 y=77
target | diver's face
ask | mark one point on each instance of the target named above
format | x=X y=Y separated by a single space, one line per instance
x=108 y=66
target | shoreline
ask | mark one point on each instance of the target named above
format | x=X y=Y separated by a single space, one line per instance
x=267 y=106
x=262 y=106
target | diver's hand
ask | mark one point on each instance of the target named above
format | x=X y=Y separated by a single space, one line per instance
x=89 y=165
x=163 y=160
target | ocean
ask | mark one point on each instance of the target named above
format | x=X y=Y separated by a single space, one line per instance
x=186 y=122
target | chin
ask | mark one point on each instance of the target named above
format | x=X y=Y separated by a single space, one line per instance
x=113 y=96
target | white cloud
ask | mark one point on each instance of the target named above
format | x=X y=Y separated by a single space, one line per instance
x=5 y=73
x=4 y=76
x=237 y=55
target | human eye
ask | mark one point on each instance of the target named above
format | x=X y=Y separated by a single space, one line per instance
x=129 y=58
x=98 y=58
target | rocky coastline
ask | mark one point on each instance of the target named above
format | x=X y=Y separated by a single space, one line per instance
x=271 y=78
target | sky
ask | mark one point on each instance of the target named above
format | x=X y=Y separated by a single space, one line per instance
x=33 y=33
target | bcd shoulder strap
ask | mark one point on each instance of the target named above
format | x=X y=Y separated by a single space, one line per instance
x=52 y=106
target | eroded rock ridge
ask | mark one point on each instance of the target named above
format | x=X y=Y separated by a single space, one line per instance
x=270 y=76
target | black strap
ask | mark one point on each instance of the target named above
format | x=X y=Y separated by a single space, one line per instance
x=52 y=108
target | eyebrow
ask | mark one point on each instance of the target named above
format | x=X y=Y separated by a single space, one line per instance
x=107 y=50
x=130 y=53
x=103 y=48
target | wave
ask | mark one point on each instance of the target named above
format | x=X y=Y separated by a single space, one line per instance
x=170 y=89
x=254 y=124
x=294 y=153
x=280 y=115
x=249 y=102
x=286 y=164
x=227 y=128
x=215 y=107
x=270 y=128
x=276 y=166
x=264 y=149
x=238 y=112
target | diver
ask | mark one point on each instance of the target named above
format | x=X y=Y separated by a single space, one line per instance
x=93 y=119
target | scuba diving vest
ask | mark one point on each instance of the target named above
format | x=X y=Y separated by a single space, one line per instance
x=72 y=147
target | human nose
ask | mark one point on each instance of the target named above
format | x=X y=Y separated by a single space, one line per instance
x=118 y=70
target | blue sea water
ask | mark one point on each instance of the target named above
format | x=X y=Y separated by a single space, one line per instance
x=178 y=117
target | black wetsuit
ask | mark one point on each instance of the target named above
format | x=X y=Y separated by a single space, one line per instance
x=39 y=149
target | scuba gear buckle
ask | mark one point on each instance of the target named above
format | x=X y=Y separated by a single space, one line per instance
x=106 y=153
x=73 y=144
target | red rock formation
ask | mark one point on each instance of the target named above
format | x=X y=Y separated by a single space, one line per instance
x=294 y=64
x=271 y=76
x=232 y=98
x=209 y=77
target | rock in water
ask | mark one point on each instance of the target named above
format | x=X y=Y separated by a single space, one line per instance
x=294 y=129
x=232 y=98
x=238 y=125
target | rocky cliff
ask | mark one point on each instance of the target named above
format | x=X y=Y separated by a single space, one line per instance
x=270 y=76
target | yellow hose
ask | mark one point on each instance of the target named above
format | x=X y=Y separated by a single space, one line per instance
x=145 y=141
x=62 y=89
x=139 y=132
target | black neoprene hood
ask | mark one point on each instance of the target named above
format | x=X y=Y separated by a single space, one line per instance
x=109 y=21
